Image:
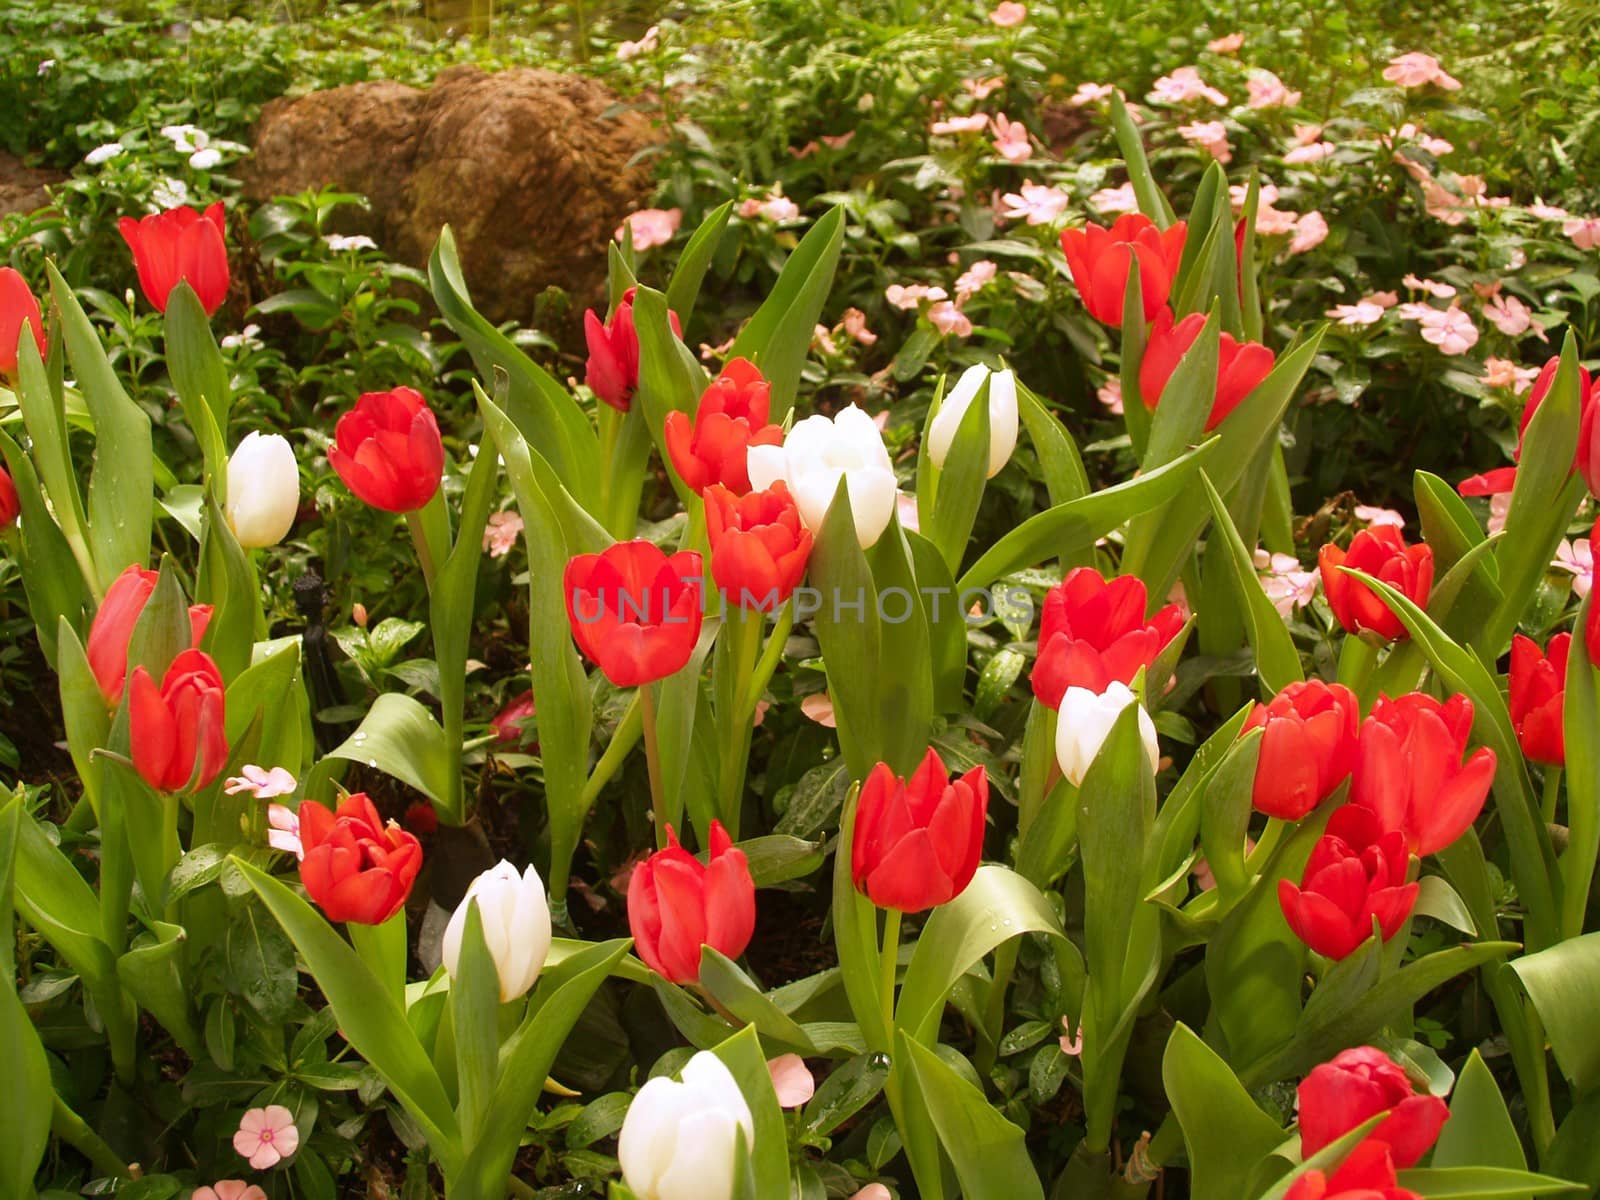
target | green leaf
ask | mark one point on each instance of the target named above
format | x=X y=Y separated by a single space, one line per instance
x=684 y=289
x=153 y=974
x=1562 y=982
x=1225 y=1132
x=44 y=415
x=1277 y=659
x=1483 y=1183
x=738 y=993
x=848 y=1089
x=200 y=377
x=1186 y=401
x=227 y=581
x=961 y=480
x=1480 y=1132
x=26 y=1096
x=399 y=737
x=839 y=571
x=1059 y=460
x=474 y=1006
x=743 y=1056
x=1226 y=808
x=50 y=574
x=987 y=1151
x=1580 y=719
x=855 y=935
x=1152 y=201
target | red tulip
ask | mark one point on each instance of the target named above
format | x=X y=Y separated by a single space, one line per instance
x=1357 y=1085
x=177 y=730
x=1241 y=366
x=759 y=546
x=1382 y=553
x=1094 y=633
x=1538 y=690
x=388 y=451
x=119 y=612
x=180 y=244
x=1357 y=874
x=732 y=417
x=10 y=505
x=356 y=867
x=612 y=371
x=1098 y=259
x=1586 y=457
x=917 y=842
x=18 y=307
x=507 y=723
x=1308 y=747
x=1410 y=774
x=676 y=906
x=635 y=612
x=1367 y=1174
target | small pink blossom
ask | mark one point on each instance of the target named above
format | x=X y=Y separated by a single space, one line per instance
x=972 y=123
x=774 y=207
x=1383 y=299
x=837 y=141
x=1416 y=70
x=229 y=1189
x=948 y=319
x=1434 y=287
x=1090 y=93
x=1266 y=194
x=1109 y=393
x=358 y=614
x=855 y=325
x=267 y=1136
x=909 y=296
x=819 y=707
x=982 y=89
x=1210 y=136
x=1315 y=152
x=1356 y=315
x=1310 y=230
x=283 y=830
x=1378 y=517
x=822 y=339
x=1499 y=510
x=260 y=782
x=1008 y=14
x=1011 y=139
x=1071 y=1046
x=1449 y=329
x=1440 y=203
x=1268 y=91
x=1584 y=232
x=791 y=1080
x=1228 y=43
x=651 y=226
x=873 y=1191
x=1547 y=212
x=1285 y=582
x=1271 y=221
x=1304 y=135
x=905 y=507
x=1577 y=559
x=1435 y=146
x=1037 y=203
x=645 y=45
x=1509 y=315
x=1411 y=310
x=501 y=533
x=1119 y=199
x=1503 y=373
x=1182 y=86
x=974 y=279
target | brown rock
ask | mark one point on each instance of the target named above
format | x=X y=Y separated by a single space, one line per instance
x=528 y=167
x=22 y=188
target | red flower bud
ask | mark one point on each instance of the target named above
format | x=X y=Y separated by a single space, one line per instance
x=119 y=612
x=1357 y=1085
x=1410 y=774
x=676 y=906
x=18 y=307
x=714 y=446
x=634 y=612
x=356 y=867
x=1098 y=259
x=1241 y=366
x=1366 y=1174
x=388 y=451
x=917 y=842
x=178 y=731
x=759 y=546
x=1538 y=692
x=1308 y=747
x=1357 y=874
x=10 y=505
x=612 y=371
x=180 y=244
x=1094 y=633
x=1382 y=553
x=507 y=723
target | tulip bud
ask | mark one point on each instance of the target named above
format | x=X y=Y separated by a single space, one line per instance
x=1099 y=258
x=634 y=612
x=818 y=453
x=119 y=612
x=1356 y=875
x=678 y=1139
x=263 y=490
x=1359 y=1084
x=1094 y=633
x=10 y=505
x=713 y=446
x=18 y=308
x=1002 y=416
x=516 y=926
x=918 y=841
x=1367 y=1172
x=1382 y=553
x=1241 y=366
x=178 y=730
x=1086 y=721
x=388 y=451
x=354 y=866
x=1308 y=747
x=759 y=548
x=180 y=245
x=1538 y=697
x=676 y=906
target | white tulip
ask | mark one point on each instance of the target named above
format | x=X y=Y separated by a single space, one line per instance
x=263 y=490
x=1002 y=416
x=516 y=926
x=1084 y=723
x=677 y=1140
x=820 y=451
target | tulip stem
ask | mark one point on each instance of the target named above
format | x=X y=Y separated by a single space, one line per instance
x=1357 y=659
x=419 y=539
x=887 y=966
x=652 y=758
x=1552 y=787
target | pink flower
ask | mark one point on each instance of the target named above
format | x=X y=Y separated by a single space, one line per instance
x=1584 y=232
x=1376 y=516
x=1577 y=559
x=1313 y=153
x=819 y=707
x=982 y=89
x=1271 y=221
x=1090 y=93
x=791 y=1080
x=1450 y=329
x=1503 y=373
x=1038 y=203
x=1413 y=311
x=905 y=507
x=1268 y=91
x=1120 y=199
x=283 y=830
x=260 y=782
x=1435 y=146
x=651 y=226
x=1509 y=315
x=1266 y=195
x=501 y=533
x=1227 y=44
x=777 y=208
x=1285 y=582
x=1310 y=230
x=1210 y=136
x=855 y=324
x=1361 y=313
x=911 y=295
x=1416 y=70
x=1109 y=393
x=837 y=141
x=267 y=1136
x=1441 y=291
x=1182 y=86
x=873 y=1191
x=1383 y=299
x=975 y=123
x=1499 y=510
x=1547 y=212
x=229 y=1189
x=1011 y=139
x=974 y=279
x=1071 y=1043
x=948 y=319
x=1008 y=14
x=645 y=45
x=1440 y=203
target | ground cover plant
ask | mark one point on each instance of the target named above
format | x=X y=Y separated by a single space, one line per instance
x=1036 y=641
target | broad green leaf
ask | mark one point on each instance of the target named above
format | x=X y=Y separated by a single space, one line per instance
x=1483 y=1183
x=400 y=738
x=684 y=289
x=1226 y=808
x=200 y=377
x=850 y=637
x=1580 y=719
x=474 y=1007
x=153 y=974
x=26 y=1096
x=44 y=415
x=904 y=672
x=1480 y=1132
x=1152 y=201
x=743 y=1056
x=946 y=622
x=1224 y=1131
x=855 y=935
x=738 y=993
x=1277 y=659
x=848 y=1088
x=227 y=581
x=1563 y=981
x=50 y=573
x=1059 y=460
x=1186 y=401
x=961 y=480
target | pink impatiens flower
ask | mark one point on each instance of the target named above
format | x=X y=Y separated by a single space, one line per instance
x=1310 y=230
x=1238 y=193
x=1310 y=152
x=909 y=296
x=651 y=226
x=818 y=706
x=1227 y=44
x=1547 y=212
x=1357 y=315
x=855 y=325
x=981 y=89
x=1011 y=139
x=1503 y=373
x=1441 y=291
x=1119 y=199
x=972 y=123
x=792 y=1080
x=1210 y=136
x=1009 y=14
x=1577 y=559
x=1584 y=232
x=1409 y=132
x=1268 y=91
x=1416 y=70
x=260 y=782
x=1109 y=393
x=948 y=319
x=1449 y=329
x=229 y=1189
x=974 y=279
x=267 y=1136
x=1377 y=516
x=1287 y=584
x=1090 y=93
x=283 y=830
x=1509 y=315
x=1182 y=86
x=1271 y=221
x=1037 y=203
x=501 y=533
